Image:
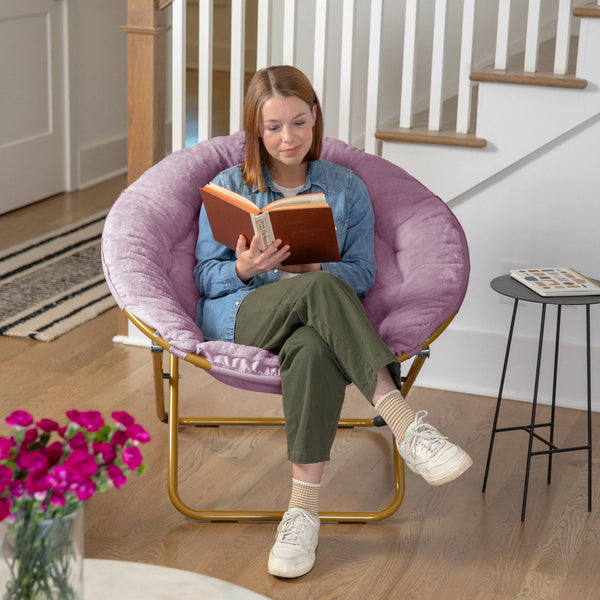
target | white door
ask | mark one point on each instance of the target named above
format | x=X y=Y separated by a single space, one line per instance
x=32 y=101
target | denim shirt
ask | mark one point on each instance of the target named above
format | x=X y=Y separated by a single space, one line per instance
x=222 y=291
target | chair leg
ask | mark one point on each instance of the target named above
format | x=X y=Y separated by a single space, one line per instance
x=175 y=422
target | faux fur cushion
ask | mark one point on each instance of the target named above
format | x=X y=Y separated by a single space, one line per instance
x=150 y=235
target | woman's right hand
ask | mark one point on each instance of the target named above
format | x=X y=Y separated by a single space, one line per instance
x=251 y=261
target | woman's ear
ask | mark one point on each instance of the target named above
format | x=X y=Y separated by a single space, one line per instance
x=314 y=114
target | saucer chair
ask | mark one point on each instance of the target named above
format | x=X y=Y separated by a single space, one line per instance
x=148 y=248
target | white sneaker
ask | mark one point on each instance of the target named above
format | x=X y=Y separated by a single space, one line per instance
x=293 y=554
x=429 y=454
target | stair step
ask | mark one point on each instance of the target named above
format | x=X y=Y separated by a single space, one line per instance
x=589 y=10
x=419 y=133
x=544 y=75
x=422 y=135
x=521 y=77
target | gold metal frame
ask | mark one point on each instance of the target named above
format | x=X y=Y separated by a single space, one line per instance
x=175 y=421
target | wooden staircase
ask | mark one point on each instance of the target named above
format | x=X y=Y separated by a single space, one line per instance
x=505 y=105
x=514 y=74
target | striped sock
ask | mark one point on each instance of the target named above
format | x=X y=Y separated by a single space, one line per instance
x=397 y=413
x=305 y=495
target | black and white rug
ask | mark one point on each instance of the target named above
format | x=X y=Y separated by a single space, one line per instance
x=52 y=284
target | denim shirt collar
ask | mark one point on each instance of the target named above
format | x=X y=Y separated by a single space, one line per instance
x=315 y=176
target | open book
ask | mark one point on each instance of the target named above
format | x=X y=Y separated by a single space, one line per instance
x=556 y=281
x=305 y=223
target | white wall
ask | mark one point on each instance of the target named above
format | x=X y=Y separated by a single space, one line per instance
x=97 y=89
x=542 y=211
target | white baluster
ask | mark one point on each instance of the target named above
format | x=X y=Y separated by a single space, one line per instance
x=205 y=68
x=236 y=97
x=289 y=32
x=178 y=58
x=319 y=61
x=563 y=37
x=532 y=36
x=346 y=70
x=373 y=75
x=463 y=112
x=501 y=59
x=437 y=66
x=409 y=63
x=263 y=34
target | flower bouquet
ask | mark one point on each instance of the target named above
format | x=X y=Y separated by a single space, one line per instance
x=47 y=472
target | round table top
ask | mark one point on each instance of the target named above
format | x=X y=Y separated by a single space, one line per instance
x=508 y=286
x=137 y=581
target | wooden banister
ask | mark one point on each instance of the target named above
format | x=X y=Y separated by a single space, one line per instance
x=146 y=84
x=146 y=90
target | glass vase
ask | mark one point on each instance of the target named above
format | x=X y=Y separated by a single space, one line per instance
x=42 y=559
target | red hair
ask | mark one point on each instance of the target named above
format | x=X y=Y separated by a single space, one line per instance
x=283 y=81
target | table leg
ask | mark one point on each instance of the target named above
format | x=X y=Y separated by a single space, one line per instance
x=589 y=404
x=533 y=409
x=501 y=389
x=554 y=385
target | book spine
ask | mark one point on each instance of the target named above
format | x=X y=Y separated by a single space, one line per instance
x=263 y=229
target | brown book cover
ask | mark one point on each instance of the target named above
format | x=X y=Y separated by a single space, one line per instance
x=303 y=222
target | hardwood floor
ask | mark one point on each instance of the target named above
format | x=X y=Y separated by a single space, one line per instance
x=446 y=543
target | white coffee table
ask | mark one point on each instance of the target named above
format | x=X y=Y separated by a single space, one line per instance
x=105 y=579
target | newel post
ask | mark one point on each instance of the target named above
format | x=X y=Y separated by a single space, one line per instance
x=146 y=82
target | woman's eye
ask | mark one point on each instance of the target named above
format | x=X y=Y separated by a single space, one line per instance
x=299 y=123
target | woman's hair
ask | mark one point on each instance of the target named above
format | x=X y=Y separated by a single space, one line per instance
x=284 y=82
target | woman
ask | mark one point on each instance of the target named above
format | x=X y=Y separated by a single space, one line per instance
x=308 y=314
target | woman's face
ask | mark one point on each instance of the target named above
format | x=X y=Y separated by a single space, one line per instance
x=286 y=126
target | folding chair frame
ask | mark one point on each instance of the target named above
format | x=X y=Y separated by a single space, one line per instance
x=175 y=421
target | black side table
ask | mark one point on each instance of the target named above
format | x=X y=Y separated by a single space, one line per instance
x=508 y=286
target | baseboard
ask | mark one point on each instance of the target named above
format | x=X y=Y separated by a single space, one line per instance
x=101 y=161
x=471 y=362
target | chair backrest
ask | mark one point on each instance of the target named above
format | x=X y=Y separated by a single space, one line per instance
x=150 y=234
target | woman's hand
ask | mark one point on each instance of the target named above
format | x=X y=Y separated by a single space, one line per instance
x=251 y=261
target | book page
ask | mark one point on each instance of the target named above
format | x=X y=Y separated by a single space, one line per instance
x=303 y=199
x=234 y=197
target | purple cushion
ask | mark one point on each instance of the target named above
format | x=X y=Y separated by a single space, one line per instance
x=150 y=235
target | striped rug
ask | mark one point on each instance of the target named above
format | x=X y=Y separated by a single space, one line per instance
x=52 y=284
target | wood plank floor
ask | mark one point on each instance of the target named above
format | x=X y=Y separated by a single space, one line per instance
x=447 y=543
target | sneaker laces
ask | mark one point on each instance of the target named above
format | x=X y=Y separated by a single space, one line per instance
x=423 y=435
x=291 y=530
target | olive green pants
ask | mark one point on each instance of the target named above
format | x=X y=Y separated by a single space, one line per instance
x=324 y=339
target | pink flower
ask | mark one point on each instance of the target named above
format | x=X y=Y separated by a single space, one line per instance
x=48 y=425
x=137 y=433
x=106 y=451
x=81 y=465
x=57 y=499
x=6 y=477
x=17 y=489
x=91 y=419
x=53 y=453
x=19 y=418
x=84 y=490
x=37 y=482
x=58 y=478
x=132 y=457
x=5 y=504
x=6 y=447
x=78 y=442
x=116 y=476
x=119 y=438
x=31 y=460
x=31 y=435
x=123 y=418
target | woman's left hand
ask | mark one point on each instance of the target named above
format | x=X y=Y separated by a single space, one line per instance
x=301 y=268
